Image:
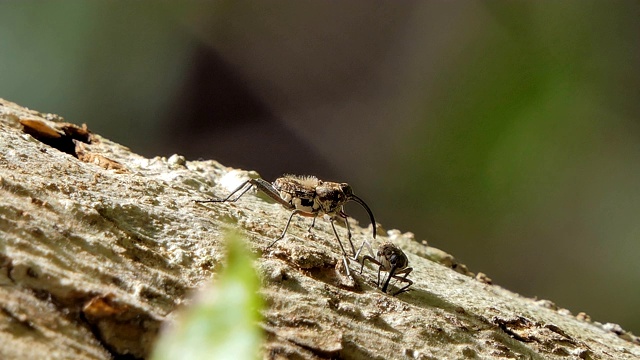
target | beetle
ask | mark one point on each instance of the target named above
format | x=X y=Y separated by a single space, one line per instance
x=393 y=260
x=306 y=196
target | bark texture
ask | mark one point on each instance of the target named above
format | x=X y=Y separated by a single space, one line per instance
x=98 y=246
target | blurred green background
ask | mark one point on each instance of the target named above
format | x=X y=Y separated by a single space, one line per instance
x=505 y=133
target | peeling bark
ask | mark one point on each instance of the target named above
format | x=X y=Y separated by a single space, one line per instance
x=98 y=246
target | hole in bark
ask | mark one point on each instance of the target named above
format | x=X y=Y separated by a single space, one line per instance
x=60 y=136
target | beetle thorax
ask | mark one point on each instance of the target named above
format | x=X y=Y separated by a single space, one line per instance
x=331 y=197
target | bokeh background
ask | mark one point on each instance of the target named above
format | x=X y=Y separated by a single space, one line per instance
x=505 y=133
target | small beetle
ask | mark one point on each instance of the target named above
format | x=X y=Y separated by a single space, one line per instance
x=393 y=260
x=306 y=196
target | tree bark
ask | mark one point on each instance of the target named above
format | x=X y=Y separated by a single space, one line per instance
x=98 y=246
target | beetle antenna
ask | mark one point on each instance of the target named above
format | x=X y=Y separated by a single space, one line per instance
x=364 y=205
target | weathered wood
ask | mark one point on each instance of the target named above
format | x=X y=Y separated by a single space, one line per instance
x=98 y=249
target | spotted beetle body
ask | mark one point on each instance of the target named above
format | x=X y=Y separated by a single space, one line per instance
x=307 y=196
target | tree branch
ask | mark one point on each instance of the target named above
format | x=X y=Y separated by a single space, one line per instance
x=98 y=246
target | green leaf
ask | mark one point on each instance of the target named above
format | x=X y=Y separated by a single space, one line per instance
x=223 y=323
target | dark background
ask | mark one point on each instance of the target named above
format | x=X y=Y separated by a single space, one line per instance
x=505 y=133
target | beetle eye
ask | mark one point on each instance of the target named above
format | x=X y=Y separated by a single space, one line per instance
x=346 y=189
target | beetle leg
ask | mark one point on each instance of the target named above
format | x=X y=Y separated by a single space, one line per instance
x=344 y=253
x=313 y=223
x=392 y=272
x=346 y=222
x=373 y=260
x=404 y=278
x=242 y=187
x=286 y=227
x=364 y=242
x=261 y=185
x=268 y=189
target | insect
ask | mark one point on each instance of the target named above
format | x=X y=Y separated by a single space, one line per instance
x=306 y=196
x=393 y=260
